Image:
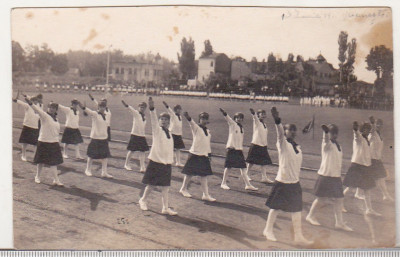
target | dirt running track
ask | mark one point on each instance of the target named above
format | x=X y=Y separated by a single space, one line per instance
x=97 y=213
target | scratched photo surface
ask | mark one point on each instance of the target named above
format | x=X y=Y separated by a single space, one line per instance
x=315 y=65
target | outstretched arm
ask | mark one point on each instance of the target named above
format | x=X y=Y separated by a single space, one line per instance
x=279 y=128
x=92 y=98
x=37 y=109
x=192 y=124
x=325 y=137
x=357 y=134
x=169 y=110
x=155 y=127
x=227 y=117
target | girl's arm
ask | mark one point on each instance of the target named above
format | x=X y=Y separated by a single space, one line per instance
x=227 y=117
x=155 y=127
x=193 y=126
x=169 y=110
x=279 y=128
x=63 y=108
x=43 y=115
x=325 y=138
x=94 y=100
x=356 y=132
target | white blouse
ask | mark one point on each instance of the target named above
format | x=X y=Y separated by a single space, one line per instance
x=50 y=129
x=176 y=123
x=235 y=138
x=138 y=125
x=72 y=119
x=201 y=144
x=361 y=150
x=162 y=148
x=376 y=145
x=107 y=112
x=260 y=132
x=99 y=125
x=331 y=164
x=31 y=119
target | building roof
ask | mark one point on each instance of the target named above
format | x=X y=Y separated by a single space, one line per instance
x=214 y=55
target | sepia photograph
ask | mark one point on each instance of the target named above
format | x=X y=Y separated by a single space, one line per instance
x=202 y=128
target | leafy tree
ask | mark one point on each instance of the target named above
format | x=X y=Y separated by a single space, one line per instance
x=290 y=58
x=299 y=58
x=59 y=64
x=18 y=57
x=380 y=59
x=208 y=49
x=271 y=61
x=187 y=64
x=342 y=41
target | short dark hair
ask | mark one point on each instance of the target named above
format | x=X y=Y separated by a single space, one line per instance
x=165 y=115
x=290 y=126
x=238 y=115
x=144 y=104
x=204 y=115
x=333 y=128
x=176 y=107
x=260 y=111
x=53 y=105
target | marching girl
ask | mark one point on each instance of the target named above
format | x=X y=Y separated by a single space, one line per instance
x=359 y=174
x=48 y=150
x=329 y=183
x=98 y=147
x=158 y=171
x=176 y=131
x=30 y=130
x=258 y=152
x=107 y=113
x=286 y=193
x=234 y=156
x=378 y=170
x=137 y=141
x=198 y=163
x=71 y=135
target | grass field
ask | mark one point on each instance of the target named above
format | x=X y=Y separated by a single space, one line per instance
x=300 y=115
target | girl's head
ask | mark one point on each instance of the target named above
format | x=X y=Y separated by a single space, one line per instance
x=379 y=124
x=35 y=100
x=103 y=100
x=39 y=98
x=178 y=109
x=365 y=128
x=142 y=107
x=74 y=103
x=102 y=106
x=52 y=107
x=204 y=118
x=333 y=131
x=164 y=120
x=238 y=117
x=261 y=114
x=290 y=131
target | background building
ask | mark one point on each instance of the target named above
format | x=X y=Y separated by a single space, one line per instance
x=216 y=63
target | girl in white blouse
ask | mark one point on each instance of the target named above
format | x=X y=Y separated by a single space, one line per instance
x=48 y=150
x=199 y=160
x=176 y=131
x=72 y=134
x=158 y=171
x=234 y=157
x=258 y=151
x=107 y=113
x=98 y=147
x=30 y=130
x=137 y=141
x=329 y=183
x=286 y=193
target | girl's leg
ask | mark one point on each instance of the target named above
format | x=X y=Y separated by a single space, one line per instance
x=382 y=186
x=246 y=181
x=185 y=183
x=77 y=152
x=104 y=173
x=311 y=215
x=224 y=178
x=204 y=186
x=39 y=168
x=166 y=209
x=88 y=170
x=178 y=157
x=23 y=152
x=56 y=180
x=264 y=177
x=142 y=161
x=368 y=204
x=269 y=226
x=359 y=194
x=65 y=148
x=337 y=208
x=127 y=160
x=142 y=200
x=298 y=233
x=249 y=166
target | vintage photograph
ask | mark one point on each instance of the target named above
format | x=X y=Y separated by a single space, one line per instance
x=202 y=128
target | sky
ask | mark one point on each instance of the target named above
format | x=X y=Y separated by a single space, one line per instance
x=236 y=31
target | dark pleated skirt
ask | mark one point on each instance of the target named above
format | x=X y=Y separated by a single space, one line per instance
x=98 y=149
x=137 y=143
x=197 y=165
x=235 y=159
x=285 y=197
x=359 y=176
x=29 y=136
x=48 y=154
x=178 y=142
x=109 y=133
x=331 y=187
x=157 y=174
x=377 y=169
x=258 y=155
x=71 y=136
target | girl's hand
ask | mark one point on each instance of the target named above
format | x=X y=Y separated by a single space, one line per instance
x=165 y=104
x=252 y=111
x=325 y=128
x=355 y=126
x=151 y=103
x=274 y=112
x=222 y=111
x=125 y=104
x=186 y=115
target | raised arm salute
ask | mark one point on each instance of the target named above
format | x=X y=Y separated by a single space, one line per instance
x=198 y=163
x=107 y=113
x=176 y=131
x=30 y=129
x=48 y=150
x=158 y=171
x=286 y=193
x=137 y=140
x=234 y=146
